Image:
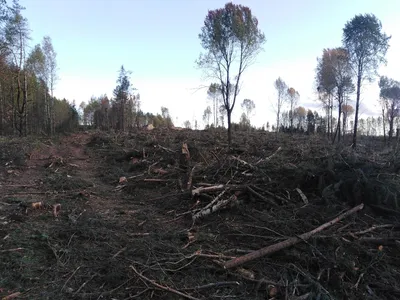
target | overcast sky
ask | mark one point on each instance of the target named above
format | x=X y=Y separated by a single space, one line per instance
x=158 y=41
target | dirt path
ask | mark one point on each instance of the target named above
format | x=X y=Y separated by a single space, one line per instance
x=98 y=232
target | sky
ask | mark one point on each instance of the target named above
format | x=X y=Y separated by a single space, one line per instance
x=158 y=41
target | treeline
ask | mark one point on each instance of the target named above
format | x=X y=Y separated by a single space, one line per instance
x=122 y=112
x=27 y=80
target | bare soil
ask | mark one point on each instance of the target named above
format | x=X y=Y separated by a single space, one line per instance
x=125 y=226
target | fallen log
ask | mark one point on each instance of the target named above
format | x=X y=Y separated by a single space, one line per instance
x=216 y=188
x=217 y=205
x=289 y=242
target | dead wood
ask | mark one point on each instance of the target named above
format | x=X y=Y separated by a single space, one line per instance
x=269 y=157
x=165 y=288
x=216 y=206
x=289 y=242
x=216 y=188
x=269 y=201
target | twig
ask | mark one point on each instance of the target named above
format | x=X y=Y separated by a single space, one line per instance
x=216 y=188
x=243 y=162
x=190 y=180
x=11 y=250
x=211 y=285
x=373 y=228
x=273 y=195
x=216 y=207
x=165 y=288
x=135 y=176
x=303 y=197
x=83 y=284
x=358 y=281
x=85 y=295
x=261 y=197
x=12 y=296
x=157 y=180
x=269 y=157
x=289 y=242
x=118 y=253
x=70 y=277
x=166 y=149
x=206 y=189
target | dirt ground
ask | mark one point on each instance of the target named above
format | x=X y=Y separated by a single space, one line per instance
x=162 y=214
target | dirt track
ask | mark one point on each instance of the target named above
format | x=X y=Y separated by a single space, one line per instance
x=108 y=232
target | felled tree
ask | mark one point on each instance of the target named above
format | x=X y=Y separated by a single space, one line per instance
x=232 y=40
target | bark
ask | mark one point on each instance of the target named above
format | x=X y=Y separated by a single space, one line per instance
x=357 y=108
x=229 y=112
x=383 y=124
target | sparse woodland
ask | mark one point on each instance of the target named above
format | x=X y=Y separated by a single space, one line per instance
x=105 y=201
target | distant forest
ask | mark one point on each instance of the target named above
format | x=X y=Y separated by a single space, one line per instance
x=231 y=39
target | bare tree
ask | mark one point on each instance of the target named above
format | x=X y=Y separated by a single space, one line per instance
x=293 y=98
x=232 y=39
x=390 y=93
x=50 y=77
x=214 y=92
x=249 y=106
x=187 y=124
x=206 y=116
x=282 y=91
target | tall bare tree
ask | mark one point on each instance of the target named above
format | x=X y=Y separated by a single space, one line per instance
x=249 y=106
x=282 y=91
x=207 y=115
x=334 y=75
x=366 y=45
x=214 y=92
x=390 y=93
x=293 y=98
x=51 y=77
x=232 y=39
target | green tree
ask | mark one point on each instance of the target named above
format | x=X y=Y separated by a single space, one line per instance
x=310 y=121
x=16 y=37
x=232 y=40
x=122 y=94
x=166 y=117
x=366 y=45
